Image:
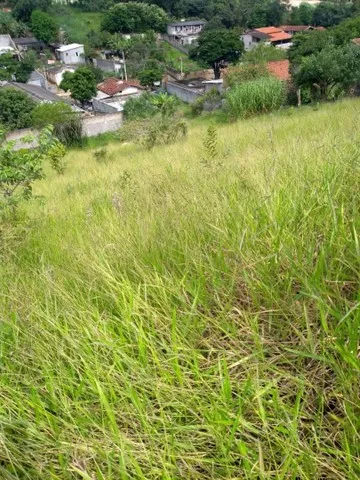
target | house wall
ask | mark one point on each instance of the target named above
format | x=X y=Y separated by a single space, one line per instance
x=107 y=65
x=102 y=107
x=73 y=56
x=185 y=94
x=94 y=126
x=249 y=42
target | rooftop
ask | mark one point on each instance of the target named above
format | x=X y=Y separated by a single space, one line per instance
x=278 y=36
x=37 y=93
x=187 y=24
x=72 y=46
x=111 y=86
x=26 y=41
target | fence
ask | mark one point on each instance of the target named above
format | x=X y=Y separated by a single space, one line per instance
x=186 y=94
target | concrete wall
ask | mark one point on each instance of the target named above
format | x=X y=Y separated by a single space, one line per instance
x=93 y=126
x=102 y=107
x=73 y=56
x=18 y=137
x=187 y=95
x=107 y=65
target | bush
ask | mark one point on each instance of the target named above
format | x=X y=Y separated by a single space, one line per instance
x=15 y=108
x=67 y=123
x=244 y=73
x=209 y=101
x=259 y=96
x=139 y=107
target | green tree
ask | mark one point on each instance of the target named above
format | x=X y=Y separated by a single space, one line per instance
x=134 y=17
x=21 y=168
x=331 y=71
x=327 y=14
x=152 y=72
x=23 y=8
x=12 y=69
x=81 y=84
x=217 y=48
x=10 y=26
x=15 y=108
x=43 y=26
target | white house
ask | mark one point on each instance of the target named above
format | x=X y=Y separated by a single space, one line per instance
x=56 y=74
x=185 y=33
x=71 y=54
x=268 y=35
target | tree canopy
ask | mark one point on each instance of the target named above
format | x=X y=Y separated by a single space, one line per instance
x=134 y=17
x=81 y=84
x=216 y=48
x=15 y=108
x=43 y=26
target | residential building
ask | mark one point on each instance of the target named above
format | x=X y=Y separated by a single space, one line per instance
x=293 y=29
x=185 y=33
x=7 y=45
x=29 y=43
x=113 y=93
x=268 y=35
x=56 y=74
x=71 y=54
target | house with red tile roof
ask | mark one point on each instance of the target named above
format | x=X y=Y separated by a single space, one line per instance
x=113 y=94
x=268 y=35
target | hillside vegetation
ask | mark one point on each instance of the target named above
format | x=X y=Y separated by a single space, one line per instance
x=191 y=312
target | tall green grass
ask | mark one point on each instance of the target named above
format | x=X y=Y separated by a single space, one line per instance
x=166 y=318
x=262 y=95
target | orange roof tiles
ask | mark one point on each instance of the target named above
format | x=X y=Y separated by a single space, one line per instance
x=111 y=86
x=268 y=30
x=275 y=37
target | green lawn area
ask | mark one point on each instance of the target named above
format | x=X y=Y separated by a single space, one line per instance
x=188 y=313
x=174 y=57
x=76 y=23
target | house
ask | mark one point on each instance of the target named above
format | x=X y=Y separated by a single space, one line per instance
x=108 y=65
x=293 y=29
x=279 y=69
x=71 y=54
x=113 y=93
x=56 y=74
x=7 y=45
x=29 y=43
x=268 y=35
x=184 y=32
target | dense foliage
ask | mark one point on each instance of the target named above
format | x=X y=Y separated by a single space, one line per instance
x=12 y=69
x=15 y=108
x=262 y=95
x=10 y=26
x=134 y=17
x=19 y=169
x=43 y=26
x=66 y=122
x=216 y=48
x=81 y=83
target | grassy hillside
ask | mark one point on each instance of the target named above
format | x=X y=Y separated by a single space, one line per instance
x=77 y=24
x=168 y=315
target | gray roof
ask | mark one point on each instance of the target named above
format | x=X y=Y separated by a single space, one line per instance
x=37 y=93
x=187 y=24
x=27 y=41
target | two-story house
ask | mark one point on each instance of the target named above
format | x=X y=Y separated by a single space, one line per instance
x=184 y=32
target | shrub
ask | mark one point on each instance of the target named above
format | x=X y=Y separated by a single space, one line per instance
x=244 y=73
x=259 y=96
x=15 y=108
x=139 y=107
x=209 y=101
x=21 y=168
x=67 y=123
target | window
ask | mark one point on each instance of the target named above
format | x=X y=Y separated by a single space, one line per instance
x=77 y=54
